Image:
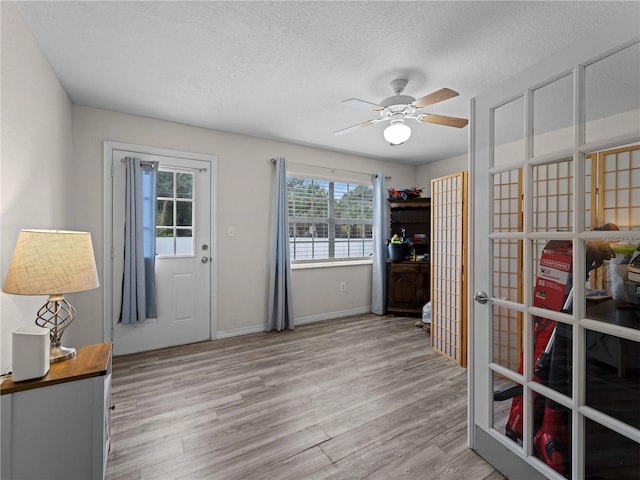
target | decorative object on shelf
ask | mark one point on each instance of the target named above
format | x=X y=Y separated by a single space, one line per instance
x=405 y=193
x=54 y=263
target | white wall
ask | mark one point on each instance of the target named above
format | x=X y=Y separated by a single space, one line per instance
x=35 y=158
x=426 y=173
x=244 y=201
x=51 y=177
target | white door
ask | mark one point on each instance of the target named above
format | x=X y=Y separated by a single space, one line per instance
x=184 y=254
x=537 y=197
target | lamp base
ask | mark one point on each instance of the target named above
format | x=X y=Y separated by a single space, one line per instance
x=60 y=353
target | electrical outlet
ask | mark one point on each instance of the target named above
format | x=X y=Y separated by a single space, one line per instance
x=343 y=286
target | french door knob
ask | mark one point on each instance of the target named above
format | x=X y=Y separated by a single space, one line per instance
x=481 y=297
x=205 y=259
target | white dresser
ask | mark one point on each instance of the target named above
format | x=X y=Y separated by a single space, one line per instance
x=57 y=426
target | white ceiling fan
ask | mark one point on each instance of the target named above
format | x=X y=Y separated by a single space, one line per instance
x=398 y=108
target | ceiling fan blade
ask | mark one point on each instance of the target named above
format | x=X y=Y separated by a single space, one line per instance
x=355 y=127
x=435 y=97
x=356 y=102
x=444 y=120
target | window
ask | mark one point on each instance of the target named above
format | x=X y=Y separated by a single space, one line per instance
x=174 y=213
x=329 y=220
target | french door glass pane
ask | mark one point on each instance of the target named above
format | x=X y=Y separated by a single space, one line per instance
x=507 y=338
x=612 y=95
x=609 y=455
x=553 y=116
x=508 y=139
x=507 y=269
x=615 y=298
x=613 y=375
x=553 y=354
x=620 y=187
x=552 y=434
x=552 y=267
x=507 y=408
x=507 y=201
x=553 y=196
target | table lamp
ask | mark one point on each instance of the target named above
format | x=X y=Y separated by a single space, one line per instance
x=54 y=263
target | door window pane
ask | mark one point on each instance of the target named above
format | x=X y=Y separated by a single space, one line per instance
x=553 y=266
x=552 y=435
x=553 y=116
x=165 y=184
x=553 y=196
x=175 y=212
x=552 y=352
x=609 y=455
x=184 y=185
x=184 y=211
x=507 y=269
x=164 y=213
x=612 y=95
x=507 y=408
x=613 y=295
x=613 y=375
x=507 y=201
x=507 y=338
x=508 y=137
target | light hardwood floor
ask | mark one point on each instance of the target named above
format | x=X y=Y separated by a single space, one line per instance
x=362 y=397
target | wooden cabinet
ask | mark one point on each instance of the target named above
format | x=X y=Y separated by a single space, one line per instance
x=414 y=216
x=408 y=287
x=408 y=283
x=57 y=426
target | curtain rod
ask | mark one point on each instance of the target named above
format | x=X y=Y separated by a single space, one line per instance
x=273 y=162
x=153 y=165
x=143 y=162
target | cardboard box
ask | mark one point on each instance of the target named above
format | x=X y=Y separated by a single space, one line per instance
x=554 y=278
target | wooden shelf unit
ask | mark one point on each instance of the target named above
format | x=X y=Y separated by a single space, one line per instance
x=408 y=282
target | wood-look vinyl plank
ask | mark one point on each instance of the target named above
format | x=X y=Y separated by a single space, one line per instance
x=465 y=467
x=412 y=421
x=238 y=432
x=160 y=418
x=292 y=468
x=414 y=463
x=232 y=462
x=394 y=398
x=125 y=461
x=348 y=398
x=163 y=431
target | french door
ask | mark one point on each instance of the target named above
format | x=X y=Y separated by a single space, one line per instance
x=555 y=377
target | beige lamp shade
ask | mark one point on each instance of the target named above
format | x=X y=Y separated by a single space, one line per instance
x=51 y=262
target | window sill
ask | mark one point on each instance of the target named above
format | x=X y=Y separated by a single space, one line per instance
x=341 y=263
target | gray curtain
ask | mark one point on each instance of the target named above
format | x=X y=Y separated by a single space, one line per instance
x=379 y=269
x=139 y=278
x=280 y=314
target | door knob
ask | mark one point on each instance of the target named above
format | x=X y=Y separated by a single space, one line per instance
x=481 y=297
x=205 y=259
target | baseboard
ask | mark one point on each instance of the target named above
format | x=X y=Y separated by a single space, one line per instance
x=235 y=332
x=332 y=315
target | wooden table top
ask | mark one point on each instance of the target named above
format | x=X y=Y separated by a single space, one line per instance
x=90 y=361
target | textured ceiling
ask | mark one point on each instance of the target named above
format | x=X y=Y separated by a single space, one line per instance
x=280 y=69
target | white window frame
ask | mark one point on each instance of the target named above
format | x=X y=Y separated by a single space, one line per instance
x=331 y=222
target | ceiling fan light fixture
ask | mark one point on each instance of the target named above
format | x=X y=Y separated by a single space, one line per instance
x=398 y=132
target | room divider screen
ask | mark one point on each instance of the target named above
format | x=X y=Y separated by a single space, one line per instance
x=448 y=258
